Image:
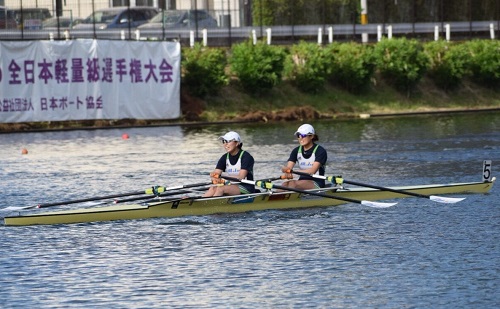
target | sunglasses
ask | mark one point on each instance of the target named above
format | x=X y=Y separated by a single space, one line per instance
x=302 y=135
x=226 y=141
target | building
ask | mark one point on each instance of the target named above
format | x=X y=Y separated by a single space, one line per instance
x=221 y=10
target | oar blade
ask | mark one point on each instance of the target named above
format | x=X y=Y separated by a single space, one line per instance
x=377 y=204
x=446 y=200
x=16 y=208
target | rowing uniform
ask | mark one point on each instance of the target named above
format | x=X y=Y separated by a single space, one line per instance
x=306 y=158
x=232 y=166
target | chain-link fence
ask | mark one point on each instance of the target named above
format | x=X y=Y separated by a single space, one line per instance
x=223 y=22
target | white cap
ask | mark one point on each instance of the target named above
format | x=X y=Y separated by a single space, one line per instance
x=231 y=136
x=305 y=129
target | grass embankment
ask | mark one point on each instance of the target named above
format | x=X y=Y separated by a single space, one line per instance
x=285 y=102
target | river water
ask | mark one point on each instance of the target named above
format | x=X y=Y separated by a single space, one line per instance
x=417 y=254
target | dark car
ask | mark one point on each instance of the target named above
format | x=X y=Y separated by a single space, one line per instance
x=177 y=19
x=118 y=17
x=7 y=19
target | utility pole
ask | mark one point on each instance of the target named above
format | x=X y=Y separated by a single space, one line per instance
x=364 y=20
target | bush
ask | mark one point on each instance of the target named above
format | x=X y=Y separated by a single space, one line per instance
x=305 y=67
x=258 y=67
x=449 y=63
x=485 y=62
x=353 y=65
x=401 y=61
x=204 y=70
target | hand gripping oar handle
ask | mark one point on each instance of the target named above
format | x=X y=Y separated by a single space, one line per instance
x=269 y=185
x=434 y=198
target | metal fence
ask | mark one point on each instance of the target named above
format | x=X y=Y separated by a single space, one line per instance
x=224 y=22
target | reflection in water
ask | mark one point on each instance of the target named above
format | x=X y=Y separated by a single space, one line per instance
x=417 y=254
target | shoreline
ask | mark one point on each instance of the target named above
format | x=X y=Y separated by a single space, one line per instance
x=138 y=123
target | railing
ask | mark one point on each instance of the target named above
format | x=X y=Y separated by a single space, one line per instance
x=323 y=34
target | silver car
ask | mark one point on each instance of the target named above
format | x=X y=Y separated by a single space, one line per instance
x=118 y=17
x=178 y=19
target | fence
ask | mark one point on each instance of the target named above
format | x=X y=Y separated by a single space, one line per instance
x=224 y=22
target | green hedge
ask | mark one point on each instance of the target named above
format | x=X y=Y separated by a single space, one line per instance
x=203 y=70
x=258 y=67
x=308 y=66
x=449 y=63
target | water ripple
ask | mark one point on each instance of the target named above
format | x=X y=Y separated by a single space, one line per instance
x=418 y=254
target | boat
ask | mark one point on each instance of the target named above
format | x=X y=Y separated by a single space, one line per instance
x=264 y=200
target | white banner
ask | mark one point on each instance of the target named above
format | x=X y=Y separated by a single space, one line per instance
x=89 y=79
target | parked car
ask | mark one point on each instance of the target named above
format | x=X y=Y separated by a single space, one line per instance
x=31 y=18
x=173 y=19
x=7 y=19
x=65 y=23
x=118 y=17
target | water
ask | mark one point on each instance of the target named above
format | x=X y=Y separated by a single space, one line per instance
x=418 y=254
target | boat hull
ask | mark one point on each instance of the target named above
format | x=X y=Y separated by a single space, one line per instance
x=233 y=204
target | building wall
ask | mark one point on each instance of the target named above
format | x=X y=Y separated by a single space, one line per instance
x=73 y=8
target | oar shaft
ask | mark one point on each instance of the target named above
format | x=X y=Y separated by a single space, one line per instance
x=149 y=196
x=152 y=190
x=200 y=184
x=367 y=185
x=402 y=192
x=107 y=197
x=297 y=190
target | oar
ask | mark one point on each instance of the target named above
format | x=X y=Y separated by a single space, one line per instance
x=156 y=190
x=149 y=197
x=270 y=185
x=90 y=199
x=439 y=199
